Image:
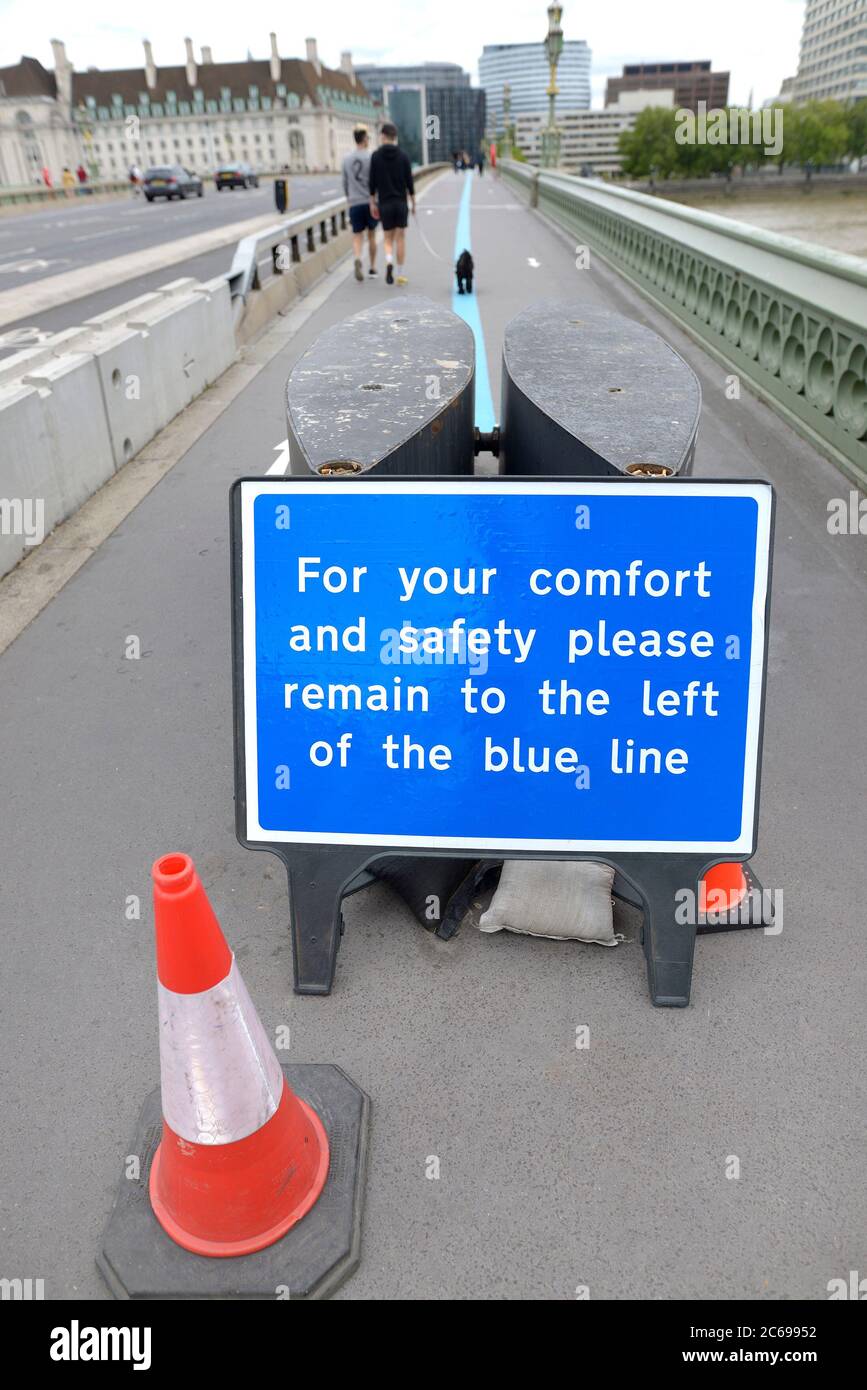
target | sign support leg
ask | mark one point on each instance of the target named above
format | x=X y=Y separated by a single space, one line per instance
x=669 y=945
x=317 y=880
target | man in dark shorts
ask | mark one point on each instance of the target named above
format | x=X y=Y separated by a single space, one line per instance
x=391 y=187
x=356 y=190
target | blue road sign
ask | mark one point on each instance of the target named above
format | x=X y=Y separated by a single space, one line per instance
x=526 y=665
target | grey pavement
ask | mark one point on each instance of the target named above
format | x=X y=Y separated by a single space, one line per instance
x=558 y=1167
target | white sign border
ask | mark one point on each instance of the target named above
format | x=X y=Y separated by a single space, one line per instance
x=761 y=493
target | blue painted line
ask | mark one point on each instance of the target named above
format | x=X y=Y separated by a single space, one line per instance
x=466 y=307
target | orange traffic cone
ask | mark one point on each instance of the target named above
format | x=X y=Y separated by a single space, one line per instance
x=242 y=1158
x=722 y=889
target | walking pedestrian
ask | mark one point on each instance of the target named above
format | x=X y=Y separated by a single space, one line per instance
x=67 y=178
x=356 y=190
x=391 y=191
x=481 y=162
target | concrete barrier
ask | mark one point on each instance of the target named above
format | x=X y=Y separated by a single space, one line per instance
x=82 y=403
x=55 y=450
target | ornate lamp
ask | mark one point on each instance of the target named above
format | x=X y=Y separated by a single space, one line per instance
x=507 y=110
x=550 y=143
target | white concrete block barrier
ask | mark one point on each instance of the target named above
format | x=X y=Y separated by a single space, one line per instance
x=159 y=356
x=85 y=401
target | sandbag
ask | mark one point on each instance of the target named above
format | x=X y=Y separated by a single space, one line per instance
x=564 y=900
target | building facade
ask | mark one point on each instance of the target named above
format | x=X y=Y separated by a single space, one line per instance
x=377 y=76
x=460 y=118
x=833 y=59
x=274 y=114
x=692 y=82
x=525 y=67
x=36 y=130
x=589 y=140
x=434 y=106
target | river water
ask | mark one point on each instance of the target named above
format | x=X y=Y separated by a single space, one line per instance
x=838 y=220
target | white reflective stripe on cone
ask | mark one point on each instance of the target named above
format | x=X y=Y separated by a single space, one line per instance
x=219 y=1076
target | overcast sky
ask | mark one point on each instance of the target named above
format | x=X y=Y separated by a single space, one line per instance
x=756 y=40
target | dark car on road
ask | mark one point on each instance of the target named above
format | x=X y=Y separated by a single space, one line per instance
x=171 y=181
x=236 y=175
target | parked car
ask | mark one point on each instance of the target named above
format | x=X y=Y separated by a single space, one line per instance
x=171 y=181
x=236 y=175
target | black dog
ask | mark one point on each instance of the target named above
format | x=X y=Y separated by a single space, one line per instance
x=464 y=273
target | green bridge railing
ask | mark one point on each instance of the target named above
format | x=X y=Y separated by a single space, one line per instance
x=787 y=316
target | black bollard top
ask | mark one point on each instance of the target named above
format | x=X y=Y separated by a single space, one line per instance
x=589 y=391
x=390 y=389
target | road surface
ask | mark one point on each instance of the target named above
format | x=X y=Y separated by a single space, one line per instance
x=37 y=245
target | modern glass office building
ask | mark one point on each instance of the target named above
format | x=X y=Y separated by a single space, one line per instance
x=433 y=105
x=406 y=107
x=525 y=67
x=377 y=76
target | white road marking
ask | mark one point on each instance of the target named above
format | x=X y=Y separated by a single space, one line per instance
x=531 y=260
x=24 y=267
x=91 y=236
x=281 y=462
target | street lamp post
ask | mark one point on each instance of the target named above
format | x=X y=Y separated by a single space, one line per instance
x=508 y=133
x=550 y=143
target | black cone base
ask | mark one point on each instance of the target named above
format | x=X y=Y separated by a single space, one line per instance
x=138 y=1260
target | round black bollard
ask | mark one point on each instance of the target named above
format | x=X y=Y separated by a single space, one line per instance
x=389 y=390
x=587 y=391
x=281 y=194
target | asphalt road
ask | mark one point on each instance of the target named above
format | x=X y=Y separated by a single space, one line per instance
x=603 y=1167
x=36 y=245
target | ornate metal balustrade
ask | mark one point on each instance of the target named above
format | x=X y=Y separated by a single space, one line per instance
x=788 y=317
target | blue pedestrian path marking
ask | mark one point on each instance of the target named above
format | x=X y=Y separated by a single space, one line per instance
x=466 y=307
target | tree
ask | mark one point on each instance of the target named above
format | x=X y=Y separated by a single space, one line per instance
x=814 y=134
x=856 y=125
x=650 y=147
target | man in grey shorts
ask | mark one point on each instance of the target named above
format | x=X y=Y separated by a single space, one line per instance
x=356 y=190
